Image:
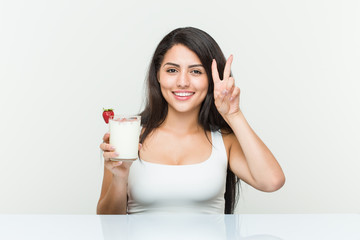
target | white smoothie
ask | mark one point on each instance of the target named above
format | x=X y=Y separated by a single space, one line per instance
x=124 y=136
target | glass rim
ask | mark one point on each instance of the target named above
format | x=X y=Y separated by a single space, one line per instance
x=126 y=117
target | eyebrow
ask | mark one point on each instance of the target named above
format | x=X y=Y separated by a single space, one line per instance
x=177 y=65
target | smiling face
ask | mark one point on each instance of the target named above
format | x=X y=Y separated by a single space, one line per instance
x=183 y=80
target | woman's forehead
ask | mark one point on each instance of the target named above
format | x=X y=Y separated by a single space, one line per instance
x=181 y=55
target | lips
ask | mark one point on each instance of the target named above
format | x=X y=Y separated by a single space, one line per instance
x=183 y=95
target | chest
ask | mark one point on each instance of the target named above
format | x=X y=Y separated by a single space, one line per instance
x=156 y=184
x=171 y=149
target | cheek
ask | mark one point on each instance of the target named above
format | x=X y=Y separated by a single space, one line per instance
x=163 y=90
x=165 y=87
x=164 y=81
x=203 y=84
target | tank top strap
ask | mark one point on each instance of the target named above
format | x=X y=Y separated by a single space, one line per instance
x=219 y=150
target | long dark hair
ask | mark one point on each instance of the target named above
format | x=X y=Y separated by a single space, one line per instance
x=156 y=108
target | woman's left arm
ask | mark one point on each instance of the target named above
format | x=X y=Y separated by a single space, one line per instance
x=249 y=158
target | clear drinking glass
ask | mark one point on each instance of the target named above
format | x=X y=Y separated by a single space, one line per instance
x=124 y=136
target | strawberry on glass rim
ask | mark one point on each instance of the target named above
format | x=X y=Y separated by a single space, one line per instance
x=183 y=95
x=107 y=114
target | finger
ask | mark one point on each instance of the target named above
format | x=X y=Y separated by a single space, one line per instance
x=221 y=97
x=218 y=98
x=106 y=137
x=108 y=155
x=107 y=147
x=235 y=94
x=214 y=71
x=227 y=70
x=111 y=164
x=230 y=84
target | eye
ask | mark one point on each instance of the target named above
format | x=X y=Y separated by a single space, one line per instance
x=171 y=70
x=197 y=72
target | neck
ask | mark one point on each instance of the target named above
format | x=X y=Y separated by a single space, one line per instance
x=182 y=123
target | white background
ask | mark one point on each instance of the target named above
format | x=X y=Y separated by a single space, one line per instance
x=297 y=64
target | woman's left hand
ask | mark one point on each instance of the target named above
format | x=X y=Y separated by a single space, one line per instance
x=226 y=94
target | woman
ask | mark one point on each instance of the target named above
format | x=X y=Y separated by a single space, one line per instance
x=195 y=143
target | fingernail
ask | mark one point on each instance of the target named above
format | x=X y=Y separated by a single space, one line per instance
x=224 y=92
x=116 y=154
x=112 y=148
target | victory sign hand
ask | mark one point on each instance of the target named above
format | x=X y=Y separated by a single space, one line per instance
x=226 y=94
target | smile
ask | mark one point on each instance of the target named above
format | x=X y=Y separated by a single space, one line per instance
x=183 y=94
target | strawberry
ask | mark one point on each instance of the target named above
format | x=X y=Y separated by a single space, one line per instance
x=108 y=113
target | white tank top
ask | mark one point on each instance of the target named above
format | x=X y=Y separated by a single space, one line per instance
x=194 y=188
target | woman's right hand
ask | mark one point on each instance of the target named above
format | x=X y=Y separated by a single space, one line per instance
x=117 y=168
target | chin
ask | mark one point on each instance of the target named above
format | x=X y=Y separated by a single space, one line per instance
x=185 y=109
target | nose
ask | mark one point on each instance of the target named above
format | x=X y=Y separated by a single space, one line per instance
x=183 y=80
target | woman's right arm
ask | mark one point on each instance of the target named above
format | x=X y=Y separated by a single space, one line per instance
x=113 y=197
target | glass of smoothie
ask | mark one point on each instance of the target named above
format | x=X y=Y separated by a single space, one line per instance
x=124 y=136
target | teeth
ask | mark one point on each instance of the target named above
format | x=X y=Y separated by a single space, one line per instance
x=183 y=94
